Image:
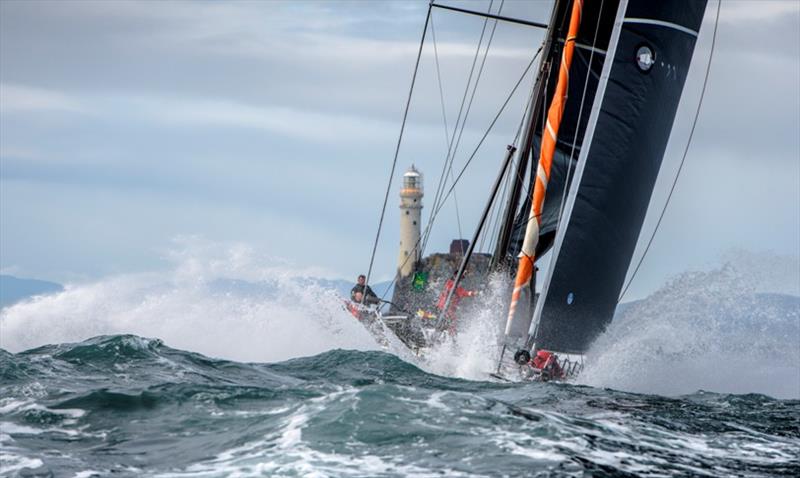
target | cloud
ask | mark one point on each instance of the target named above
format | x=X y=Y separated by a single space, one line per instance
x=193 y=112
x=750 y=12
x=17 y=98
x=299 y=55
x=197 y=117
x=28 y=154
x=294 y=122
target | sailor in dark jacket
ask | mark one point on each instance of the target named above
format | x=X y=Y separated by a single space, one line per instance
x=370 y=298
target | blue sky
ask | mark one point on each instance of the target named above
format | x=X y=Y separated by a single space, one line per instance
x=124 y=125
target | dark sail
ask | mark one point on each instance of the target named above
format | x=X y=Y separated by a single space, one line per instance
x=624 y=145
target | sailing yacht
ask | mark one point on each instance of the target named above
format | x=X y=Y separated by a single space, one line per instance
x=608 y=82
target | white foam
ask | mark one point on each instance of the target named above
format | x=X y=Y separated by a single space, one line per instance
x=15 y=429
x=87 y=474
x=522 y=444
x=292 y=434
x=12 y=463
x=435 y=401
x=286 y=453
x=10 y=405
x=12 y=458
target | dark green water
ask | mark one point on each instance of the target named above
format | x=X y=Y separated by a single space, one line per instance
x=129 y=406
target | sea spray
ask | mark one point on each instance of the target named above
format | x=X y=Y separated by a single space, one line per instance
x=734 y=328
x=716 y=330
x=472 y=352
x=221 y=301
x=707 y=330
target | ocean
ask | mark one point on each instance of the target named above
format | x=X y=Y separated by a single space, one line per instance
x=128 y=406
x=168 y=375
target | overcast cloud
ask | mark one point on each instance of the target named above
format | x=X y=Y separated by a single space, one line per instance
x=126 y=124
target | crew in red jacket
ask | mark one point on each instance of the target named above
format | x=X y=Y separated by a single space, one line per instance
x=547 y=362
x=459 y=294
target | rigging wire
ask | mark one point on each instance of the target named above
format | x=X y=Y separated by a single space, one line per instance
x=435 y=211
x=439 y=186
x=458 y=214
x=451 y=153
x=495 y=219
x=439 y=78
x=475 y=87
x=469 y=108
x=520 y=174
x=474 y=90
x=522 y=120
x=683 y=159
x=532 y=181
x=486 y=134
x=444 y=115
x=399 y=141
x=493 y=210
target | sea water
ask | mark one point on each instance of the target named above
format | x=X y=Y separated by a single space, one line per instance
x=183 y=374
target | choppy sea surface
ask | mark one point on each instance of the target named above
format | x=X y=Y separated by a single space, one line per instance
x=126 y=405
x=213 y=372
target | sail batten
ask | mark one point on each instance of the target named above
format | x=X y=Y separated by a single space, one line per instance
x=651 y=21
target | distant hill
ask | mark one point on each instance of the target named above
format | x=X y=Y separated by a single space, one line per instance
x=271 y=288
x=780 y=301
x=13 y=289
x=748 y=316
x=383 y=289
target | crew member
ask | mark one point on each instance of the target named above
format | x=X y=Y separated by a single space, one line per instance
x=458 y=294
x=547 y=363
x=368 y=296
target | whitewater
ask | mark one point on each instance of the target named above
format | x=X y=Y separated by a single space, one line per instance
x=230 y=364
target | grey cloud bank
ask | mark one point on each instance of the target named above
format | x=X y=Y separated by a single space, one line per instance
x=124 y=124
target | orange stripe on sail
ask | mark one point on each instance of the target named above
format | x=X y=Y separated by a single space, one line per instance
x=549 y=135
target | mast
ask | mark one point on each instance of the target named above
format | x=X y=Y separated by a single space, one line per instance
x=518 y=321
x=499 y=258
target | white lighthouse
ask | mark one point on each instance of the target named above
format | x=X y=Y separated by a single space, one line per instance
x=410 y=221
